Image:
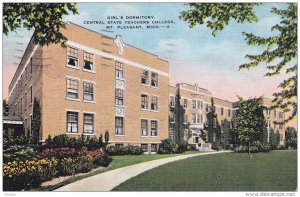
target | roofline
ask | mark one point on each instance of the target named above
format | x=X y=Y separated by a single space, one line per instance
x=113 y=38
x=21 y=61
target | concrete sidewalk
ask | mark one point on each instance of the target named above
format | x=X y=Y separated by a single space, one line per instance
x=108 y=180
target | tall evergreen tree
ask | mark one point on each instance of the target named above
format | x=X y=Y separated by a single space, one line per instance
x=212 y=127
x=36 y=121
x=250 y=122
x=5 y=107
x=178 y=114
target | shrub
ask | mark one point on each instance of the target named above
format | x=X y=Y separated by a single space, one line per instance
x=127 y=150
x=64 y=141
x=66 y=155
x=216 y=146
x=291 y=137
x=19 y=153
x=167 y=146
x=19 y=175
x=182 y=148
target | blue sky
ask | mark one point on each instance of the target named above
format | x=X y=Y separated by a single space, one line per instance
x=195 y=56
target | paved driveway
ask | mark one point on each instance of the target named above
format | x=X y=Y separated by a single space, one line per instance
x=108 y=180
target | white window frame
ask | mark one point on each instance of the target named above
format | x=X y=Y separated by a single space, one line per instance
x=94 y=122
x=73 y=78
x=172 y=104
x=151 y=103
x=157 y=82
x=194 y=102
x=78 y=58
x=94 y=91
x=93 y=70
x=78 y=121
x=147 y=95
x=123 y=76
x=185 y=103
x=123 y=131
x=147 y=82
x=147 y=131
x=157 y=129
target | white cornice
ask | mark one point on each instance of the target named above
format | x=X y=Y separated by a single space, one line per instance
x=111 y=56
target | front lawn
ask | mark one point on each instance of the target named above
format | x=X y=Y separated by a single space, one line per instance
x=117 y=162
x=273 y=171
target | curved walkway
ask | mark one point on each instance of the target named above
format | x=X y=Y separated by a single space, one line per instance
x=108 y=180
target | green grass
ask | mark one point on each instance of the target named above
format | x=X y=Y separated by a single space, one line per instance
x=274 y=171
x=117 y=162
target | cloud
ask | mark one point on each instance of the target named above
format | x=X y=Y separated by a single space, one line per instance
x=119 y=9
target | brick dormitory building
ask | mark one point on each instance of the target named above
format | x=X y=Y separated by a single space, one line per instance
x=99 y=84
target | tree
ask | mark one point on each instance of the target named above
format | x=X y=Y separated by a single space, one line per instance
x=178 y=112
x=291 y=137
x=36 y=121
x=106 y=137
x=274 y=139
x=44 y=18
x=5 y=107
x=280 y=50
x=212 y=127
x=250 y=122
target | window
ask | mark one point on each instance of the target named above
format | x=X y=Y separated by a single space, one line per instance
x=154 y=127
x=26 y=74
x=72 y=122
x=185 y=118
x=88 y=59
x=144 y=78
x=222 y=111
x=172 y=134
x=88 y=91
x=215 y=123
x=172 y=101
x=198 y=118
x=25 y=100
x=280 y=126
x=185 y=103
x=201 y=118
x=88 y=123
x=154 y=79
x=119 y=145
x=281 y=115
x=153 y=147
x=201 y=104
x=229 y=112
x=270 y=112
x=72 y=88
x=144 y=147
x=30 y=66
x=72 y=57
x=206 y=107
x=119 y=123
x=172 y=117
x=274 y=113
x=144 y=127
x=144 y=101
x=194 y=118
x=120 y=70
x=119 y=97
x=194 y=104
x=198 y=104
x=154 y=103
x=31 y=95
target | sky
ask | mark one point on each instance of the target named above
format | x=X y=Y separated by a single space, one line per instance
x=194 y=55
